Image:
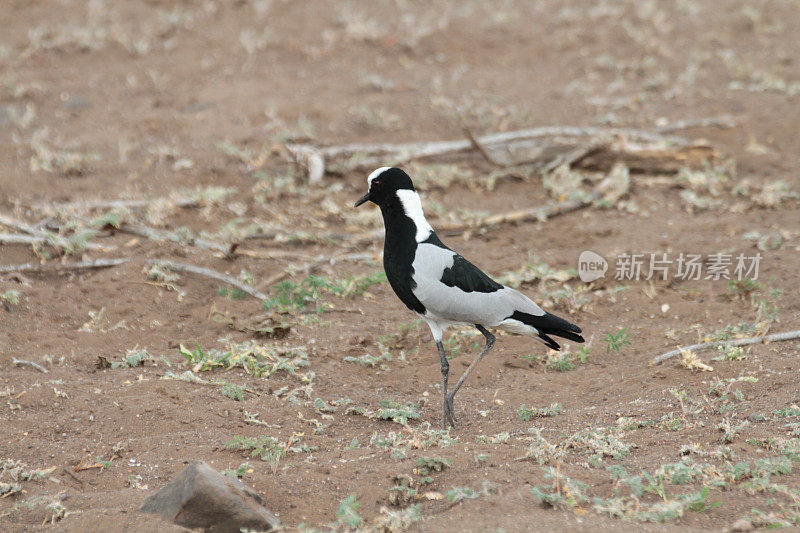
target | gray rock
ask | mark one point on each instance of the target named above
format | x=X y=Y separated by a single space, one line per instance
x=743 y=524
x=201 y=497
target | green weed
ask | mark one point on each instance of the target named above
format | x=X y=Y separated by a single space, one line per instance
x=347 y=512
x=231 y=292
x=357 y=285
x=428 y=465
x=10 y=299
x=239 y=472
x=234 y=392
x=525 y=413
x=397 y=412
x=615 y=341
x=133 y=358
x=560 y=362
x=459 y=494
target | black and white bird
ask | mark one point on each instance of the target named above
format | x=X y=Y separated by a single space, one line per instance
x=445 y=289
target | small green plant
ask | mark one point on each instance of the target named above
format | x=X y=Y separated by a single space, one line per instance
x=525 y=413
x=239 y=472
x=583 y=354
x=231 y=292
x=601 y=442
x=357 y=285
x=564 y=491
x=234 y=392
x=742 y=288
x=347 y=512
x=293 y=297
x=560 y=362
x=459 y=494
x=540 y=450
x=268 y=449
x=460 y=341
x=397 y=412
x=132 y=358
x=615 y=341
x=787 y=411
x=10 y=299
x=402 y=491
x=256 y=359
x=728 y=352
x=368 y=360
x=427 y=466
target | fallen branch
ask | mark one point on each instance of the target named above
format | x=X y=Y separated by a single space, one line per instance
x=63 y=267
x=45 y=236
x=306 y=269
x=427 y=149
x=14 y=238
x=201 y=271
x=539 y=213
x=164 y=235
x=182 y=201
x=724 y=121
x=775 y=337
x=311 y=266
x=538 y=145
x=483 y=151
x=37 y=366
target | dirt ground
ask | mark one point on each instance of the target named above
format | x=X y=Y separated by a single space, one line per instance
x=158 y=100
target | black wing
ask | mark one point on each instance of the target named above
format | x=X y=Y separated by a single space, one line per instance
x=463 y=274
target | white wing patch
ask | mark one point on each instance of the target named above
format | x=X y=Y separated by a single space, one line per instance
x=413 y=209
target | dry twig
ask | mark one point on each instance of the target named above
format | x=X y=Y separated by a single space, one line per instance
x=213 y=274
x=164 y=235
x=183 y=201
x=44 y=236
x=544 y=142
x=775 y=337
x=22 y=362
x=63 y=267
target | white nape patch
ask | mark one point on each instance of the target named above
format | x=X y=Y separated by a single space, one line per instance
x=413 y=209
x=375 y=173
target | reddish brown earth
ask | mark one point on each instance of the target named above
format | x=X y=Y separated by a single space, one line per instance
x=152 y=89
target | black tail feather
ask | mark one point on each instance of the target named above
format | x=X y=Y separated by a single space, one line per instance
x=550 y=324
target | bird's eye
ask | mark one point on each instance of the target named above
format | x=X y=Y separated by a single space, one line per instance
x=375 y=183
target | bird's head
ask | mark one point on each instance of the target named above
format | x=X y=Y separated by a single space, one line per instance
x=383 y=185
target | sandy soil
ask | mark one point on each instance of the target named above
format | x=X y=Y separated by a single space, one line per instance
x=147 y=100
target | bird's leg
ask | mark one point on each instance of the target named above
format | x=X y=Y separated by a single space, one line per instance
x=447 y=413
x=489 y=345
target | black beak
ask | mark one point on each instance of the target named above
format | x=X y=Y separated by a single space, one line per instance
x=362 y=200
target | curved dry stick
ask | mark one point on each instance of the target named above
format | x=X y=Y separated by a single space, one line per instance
x=201 y=271
x=165 y=235
x=775 y=337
